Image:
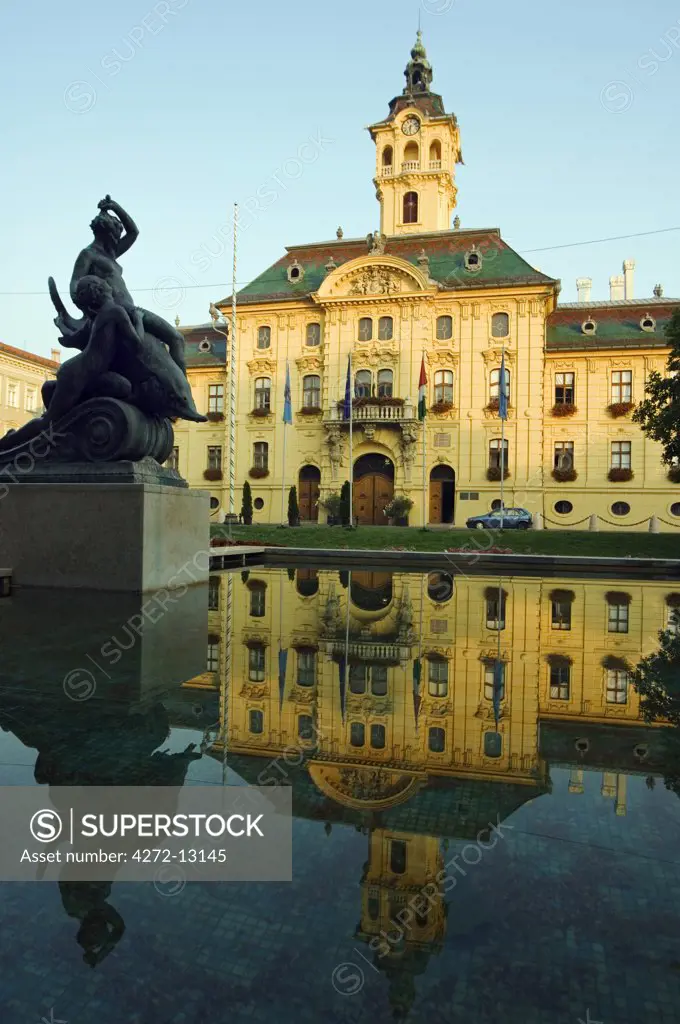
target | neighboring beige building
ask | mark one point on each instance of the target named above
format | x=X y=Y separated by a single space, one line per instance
x=22 y=375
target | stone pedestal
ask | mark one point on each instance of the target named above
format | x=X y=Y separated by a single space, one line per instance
x=130 y=537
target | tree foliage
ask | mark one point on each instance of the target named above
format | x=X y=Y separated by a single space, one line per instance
x=659 y=413
x=344 y=503
x=657 y=680
x=293 y=508
x=247 y=505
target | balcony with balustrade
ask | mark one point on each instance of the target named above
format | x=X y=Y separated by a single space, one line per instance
x=380 y=412
x=410 y=165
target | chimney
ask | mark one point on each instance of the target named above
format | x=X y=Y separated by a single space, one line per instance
x=583 y=286
x=628 y=270
x=658 y=291
x=55 y=354
x=617 y=287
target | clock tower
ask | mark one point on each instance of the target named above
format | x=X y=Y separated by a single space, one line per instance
x=417 y=148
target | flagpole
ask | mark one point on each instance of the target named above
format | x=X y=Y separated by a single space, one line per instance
x=232 y=378
x=351 y=466
x=502 y=408
x=283 y=474
x=424 y=467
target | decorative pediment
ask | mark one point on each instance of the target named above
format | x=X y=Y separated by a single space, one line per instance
x=374 y=353
x=259 y=366
x=308 y=364
x=443 y=360
x=364 y=786
x=493 y=356
x=374 y=276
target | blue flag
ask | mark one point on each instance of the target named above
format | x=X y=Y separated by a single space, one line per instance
x=347 y=403
x=283 y=664
x=503 y=392
x=287 y=407
x=498 y=688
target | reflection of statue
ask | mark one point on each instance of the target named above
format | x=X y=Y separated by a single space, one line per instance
x=115 y=399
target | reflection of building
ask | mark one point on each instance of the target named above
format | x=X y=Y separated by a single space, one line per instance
x=461 y=297
x=414 y=774
x=22 y=375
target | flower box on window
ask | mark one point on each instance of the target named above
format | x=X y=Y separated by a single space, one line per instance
x=564 y=475
x=261 y=412
x=441 y=407
x=493 y=405
x=309 y=410
x=619 y=476
x=212 y=474
x=359 y=403
x=564 y=409
x=258 y=472
x=215 y=417
x=617 y=409
x=494 y=473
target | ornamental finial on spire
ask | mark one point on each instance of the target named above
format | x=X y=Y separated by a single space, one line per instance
x=418 y=71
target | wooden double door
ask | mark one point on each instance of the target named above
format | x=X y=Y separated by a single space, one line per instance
x=370 y=495
x=308 y=494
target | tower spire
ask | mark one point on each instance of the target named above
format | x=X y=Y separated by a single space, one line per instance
x=418 y=71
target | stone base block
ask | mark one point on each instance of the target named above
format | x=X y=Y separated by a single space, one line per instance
x=124 y=537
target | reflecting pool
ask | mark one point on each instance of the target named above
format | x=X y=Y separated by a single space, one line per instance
x=483 y=825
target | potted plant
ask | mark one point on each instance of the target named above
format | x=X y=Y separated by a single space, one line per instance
x=247 y=505
x=618 y=476
x=215 y=417
x=441 y=407
x=212 y=474
x=293 y=508
x=617 y=409
x=564 y=409
x=309 y=410
x=397 y=510
x=258 y=472
x=564 y=475
x=332 y=506
x=260 y=412
x=494 y=473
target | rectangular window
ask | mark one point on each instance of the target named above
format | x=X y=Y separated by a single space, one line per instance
x=261 y=455
x=256 y=664
x=213 y=593
x=489 y=673
x=617 y=620
x=358 y=678
x=379 y=680
x=495 y=609
x=560 y=613
x=255 y=722
x=443 y=387
x=258 y=593
x=30 y=400
x=617 y=686
x=306 y=661
x=564 y=389
x=264 y=337
x=622 y=386
x=397 y=856
x=378 y=737
x=214 y=456
x=215 y=398
x=305 y=727
x=263 y=393
x=673 y=619
x=560 y=678
x=564 y=455
x=437 y=677
x=620 y=456
x=495 y=454
x=213 y=658
x=12 y=395
x=436 y=740
x=311 y=391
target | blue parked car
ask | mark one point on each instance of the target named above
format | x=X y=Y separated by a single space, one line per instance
x=513 y=519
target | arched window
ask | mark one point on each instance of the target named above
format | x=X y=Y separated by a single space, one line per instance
x=385 y=328
x=494 y=389
x=362 y=384
x=256 y=663
x=264 y=337
x=311 y=391
x=500 y=325
x=307 y=582
x=387 y=157
x=411 y=208
x=385 y=379
x=313 y=334
x=435 y=155
x=261 y=455
x=365 y=328
x=411 y=156
x=263 y=393
x=443 y=386
x=444 y=328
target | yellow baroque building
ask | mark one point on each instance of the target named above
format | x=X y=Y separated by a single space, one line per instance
x=22 y=375
x=462 y=300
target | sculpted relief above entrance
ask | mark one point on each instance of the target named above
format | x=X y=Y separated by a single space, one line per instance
x=380 y=275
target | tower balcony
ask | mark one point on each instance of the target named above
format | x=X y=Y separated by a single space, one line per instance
x=410 y=165
x=382 y=412
x=386 y=171
x=435 y=165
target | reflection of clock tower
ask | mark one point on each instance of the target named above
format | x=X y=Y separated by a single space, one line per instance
x=417 y=148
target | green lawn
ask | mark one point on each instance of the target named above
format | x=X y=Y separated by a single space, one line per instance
x=540 y=542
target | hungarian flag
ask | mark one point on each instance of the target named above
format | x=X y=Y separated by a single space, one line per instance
x=422 y=391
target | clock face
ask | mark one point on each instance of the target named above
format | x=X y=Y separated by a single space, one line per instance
x=411 y=126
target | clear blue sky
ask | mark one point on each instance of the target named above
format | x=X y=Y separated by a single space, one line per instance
x=179 y=118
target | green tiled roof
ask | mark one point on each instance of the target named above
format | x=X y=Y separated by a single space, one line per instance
x=501 y=265
x=617 y=325
x=194 y=336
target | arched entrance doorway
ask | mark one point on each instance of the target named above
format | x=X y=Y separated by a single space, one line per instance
x=442 y=494
x=371 y=591
x=309 y=482
x=373 y=488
